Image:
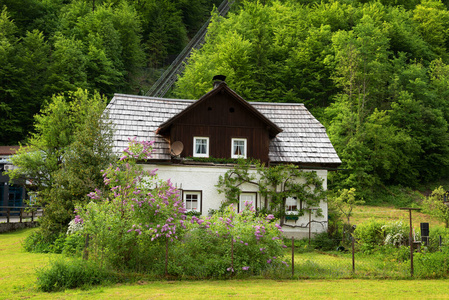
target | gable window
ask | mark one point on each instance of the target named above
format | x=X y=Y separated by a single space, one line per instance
x=201 y=147
x=292 y=205
x=192 y=200
x=247 y=197
x=238 y=148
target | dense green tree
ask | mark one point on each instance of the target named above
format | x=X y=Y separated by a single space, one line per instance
x=64 y=158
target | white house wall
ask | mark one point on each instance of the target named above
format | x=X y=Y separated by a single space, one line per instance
x=204 y=178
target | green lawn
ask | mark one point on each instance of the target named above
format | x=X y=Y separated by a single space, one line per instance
x=17 y=281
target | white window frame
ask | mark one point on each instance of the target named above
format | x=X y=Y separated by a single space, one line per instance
x=197 y=138
x=289 y=208
x=242 y=201
x=244 y=148
x=198 y=194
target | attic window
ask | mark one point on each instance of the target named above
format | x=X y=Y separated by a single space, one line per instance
x=201 y=147
x=238 y=148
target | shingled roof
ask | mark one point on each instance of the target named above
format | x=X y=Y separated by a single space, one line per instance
x=302 y=141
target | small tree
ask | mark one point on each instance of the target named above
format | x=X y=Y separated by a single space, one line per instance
x=63 y=158
x=344 y=203
x=435 y=206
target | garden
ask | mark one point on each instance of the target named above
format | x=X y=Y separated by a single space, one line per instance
x=137 y=231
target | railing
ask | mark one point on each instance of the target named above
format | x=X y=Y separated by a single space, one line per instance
x=170 y=76
x=14 y=214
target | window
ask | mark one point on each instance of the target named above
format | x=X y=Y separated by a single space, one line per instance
x=238 y=148
x=192 y=201
x=249 y=198
x=292 y=205
x=201 y=147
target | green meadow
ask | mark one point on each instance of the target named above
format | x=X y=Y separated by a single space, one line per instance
x=18 y=280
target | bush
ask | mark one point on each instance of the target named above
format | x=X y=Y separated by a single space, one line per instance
x=369 y=235
x=68 y=274
x=74 y=244
x=325 y=242
x=39 y=243
x=432 y=265
x=434 y=238
x=396 y=233
x=205 y=251
x=132 y=221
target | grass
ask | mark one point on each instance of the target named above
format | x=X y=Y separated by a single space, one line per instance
x=17 y=279
x=389 y=214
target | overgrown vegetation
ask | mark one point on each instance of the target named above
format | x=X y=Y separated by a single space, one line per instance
x=275 y=184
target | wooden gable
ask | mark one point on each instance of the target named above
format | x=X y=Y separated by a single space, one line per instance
x=221 y=115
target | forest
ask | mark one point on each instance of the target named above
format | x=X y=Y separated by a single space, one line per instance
x=51 y=47
x=375 y=73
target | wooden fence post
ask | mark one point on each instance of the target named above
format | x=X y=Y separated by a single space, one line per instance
x=293 y=257
x=232 y=255
x=353 y=257
x=86 y=244
x=8 y=211
x=21 y=213
x=166 y=257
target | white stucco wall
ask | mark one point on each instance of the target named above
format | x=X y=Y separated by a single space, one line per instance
x=204 y=178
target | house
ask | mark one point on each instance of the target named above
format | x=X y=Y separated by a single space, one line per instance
x=221 y=124
x=11 y=194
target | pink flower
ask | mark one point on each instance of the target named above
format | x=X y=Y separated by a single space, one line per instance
x=269 y=217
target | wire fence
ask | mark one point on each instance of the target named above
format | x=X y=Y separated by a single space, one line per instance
x=382 y=262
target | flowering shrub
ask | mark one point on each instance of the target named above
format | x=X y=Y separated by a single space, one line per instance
x=140 y=220
x=131 y=222
x=229 y=243
x=396 y=233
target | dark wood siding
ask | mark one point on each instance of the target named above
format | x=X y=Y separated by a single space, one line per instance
x=222 y=118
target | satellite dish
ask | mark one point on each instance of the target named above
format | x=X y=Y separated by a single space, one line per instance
x=176 y=148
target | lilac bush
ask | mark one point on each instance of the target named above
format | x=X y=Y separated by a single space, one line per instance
x=130 y=223
x=205 y=250
x=139 y=217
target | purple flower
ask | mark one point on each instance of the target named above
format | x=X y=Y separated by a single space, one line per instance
x=230 y=269
x=284 y=263
x=269 y=261
x=245 y=268
x=269 y=217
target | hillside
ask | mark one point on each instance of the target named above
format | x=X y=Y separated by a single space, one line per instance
x=375 y=73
